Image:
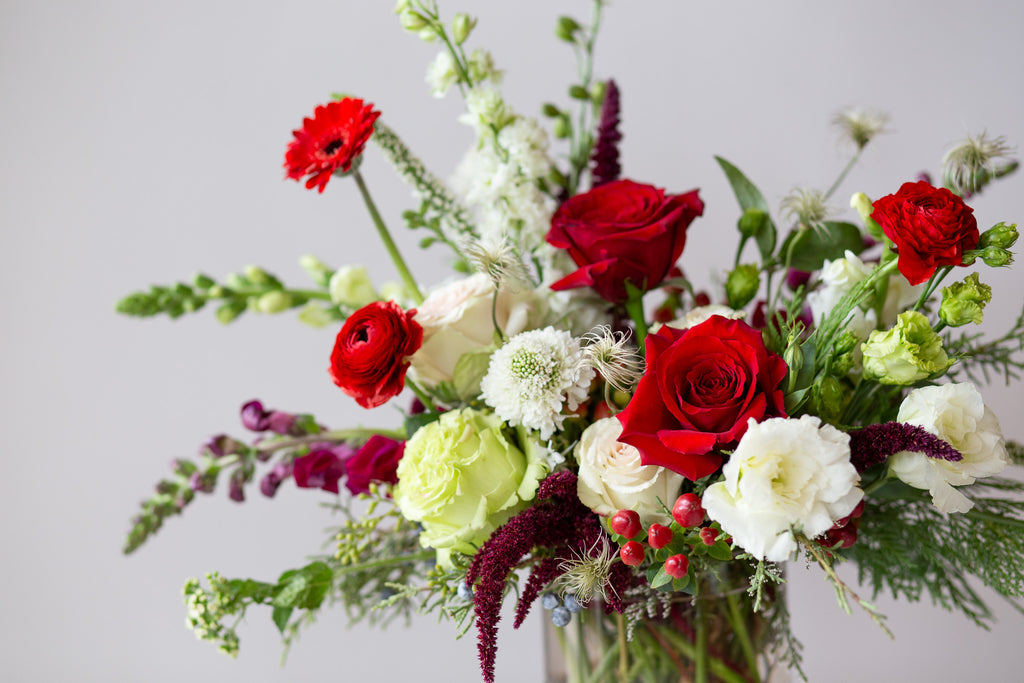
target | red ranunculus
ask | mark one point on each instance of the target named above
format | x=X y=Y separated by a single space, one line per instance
x=930 y=226
x=377 y=460
x=371 y=353
x=700 y=387
x=330 y=141
x=622 y=231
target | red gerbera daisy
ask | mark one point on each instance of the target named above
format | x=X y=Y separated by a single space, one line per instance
x=330 y=141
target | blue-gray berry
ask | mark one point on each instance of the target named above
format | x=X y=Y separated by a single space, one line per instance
x=572 y=604
x=465 y=592
x=561 y=617
x=549 y=601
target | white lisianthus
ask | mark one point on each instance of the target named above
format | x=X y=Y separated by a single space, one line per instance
x=533 y=376
x=612 y=478
x=696 y=316
x=456 y=319
x=956 y=414
x=784 y=474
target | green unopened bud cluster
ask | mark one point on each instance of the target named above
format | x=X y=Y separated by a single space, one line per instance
x=205 y=611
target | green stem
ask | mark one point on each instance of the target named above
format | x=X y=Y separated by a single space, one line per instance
x=700 y=674
x=635 y=310
x=330 y=435
x=427 y=402
x=385 y=562
x=739 y=627
x=620 y=622
x=389 y=243
x=933 y=283
x=305 y=293
x=842 y=176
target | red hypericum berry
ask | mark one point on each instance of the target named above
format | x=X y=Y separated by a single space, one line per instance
x=632 y=554
x=659 y=536
x=859 y=510
x=688 y=512
x=625 y=523
x=677 y=566
x=708 y=535
x=701 y=299
x=602 y=410
x=841 y=538
x=664 y=314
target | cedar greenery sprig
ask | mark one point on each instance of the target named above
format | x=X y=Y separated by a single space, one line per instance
x=998 y=357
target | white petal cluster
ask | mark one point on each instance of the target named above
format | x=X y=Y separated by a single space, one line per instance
x=611 y=476
x=956 y=414
x=695 y=316
x=442 y=74
x=533 y=376
x=784 y=474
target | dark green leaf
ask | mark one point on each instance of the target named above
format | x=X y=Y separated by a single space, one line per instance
x=750 y=197
x=825 y=241
x=280 y=616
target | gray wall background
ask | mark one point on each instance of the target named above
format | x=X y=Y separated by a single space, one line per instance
x=143 y=141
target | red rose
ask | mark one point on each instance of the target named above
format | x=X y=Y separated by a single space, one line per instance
x=622 y=231
x=371 y=352
x=700 y=387
x=377 y=460
x=930 y=227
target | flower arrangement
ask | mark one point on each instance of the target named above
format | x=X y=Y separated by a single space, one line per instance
x=590 y=430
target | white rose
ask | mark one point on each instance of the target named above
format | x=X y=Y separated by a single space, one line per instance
x=956 y=414
x=612 y=478
x=784 y=474
x=698 y=315
x=456 y=319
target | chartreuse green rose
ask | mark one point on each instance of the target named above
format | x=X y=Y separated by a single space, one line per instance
x=462 y=477
x=908 y=352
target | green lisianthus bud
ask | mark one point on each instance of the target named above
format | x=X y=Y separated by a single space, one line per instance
x=317 y=270
x=964 y=302
x=462 y=477
x=351 y=286
x=742 y=284
x=462 y=25
x=909 y=352
x=999 y=235
x=862 y=204
x=752 y=222
x=274 y=302
x=566 y=29
x=827 y=395
x=994 y=257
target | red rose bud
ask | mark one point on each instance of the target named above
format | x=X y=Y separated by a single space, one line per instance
x=659 y=536
x=632 y=554
x=625 y=523
x=930 y=226
x=701 y=387
x=677 y=566
x=708 y=536
x=840 y=538
x=622 y=231
x=688 y=512
x=371 y=352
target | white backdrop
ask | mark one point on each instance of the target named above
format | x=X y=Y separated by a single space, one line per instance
x=143 y=141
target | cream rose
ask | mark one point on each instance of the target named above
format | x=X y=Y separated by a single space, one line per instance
x=456 y=319
x=957 y=414
x=784 y=474
x=698 y=315
x=611 y=477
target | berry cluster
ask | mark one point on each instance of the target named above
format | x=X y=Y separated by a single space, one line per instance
x=669 y=548
x=562 y=608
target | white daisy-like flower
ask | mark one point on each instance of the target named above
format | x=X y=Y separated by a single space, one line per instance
x=533 y=376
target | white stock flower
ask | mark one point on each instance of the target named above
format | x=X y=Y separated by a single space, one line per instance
x=532 y=376
x=956 y=414
x=456 y=319
x=612 y=478
x=527 y=145
x=784 y=474
x=441 y=74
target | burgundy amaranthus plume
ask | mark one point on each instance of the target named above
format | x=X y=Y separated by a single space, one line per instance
x=605 y=157
x=558 y=522
x=874 y=444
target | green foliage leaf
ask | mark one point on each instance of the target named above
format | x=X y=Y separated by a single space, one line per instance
x=305 y=587
x=720 y=551
x=469 y=370
x=660 y=578
x=809 y=248
x=749 y=197
x=281 y=615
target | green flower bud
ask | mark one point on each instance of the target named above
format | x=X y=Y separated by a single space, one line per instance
x=862 y=204
x=561 y=127
x=257 y=276
x=827 y=395
x=316 y=315
x=963 y=302
x=274 y=302
x=742 y=285
x=566 y=29
x=909 y=352
x=481 y=67
x=412 y=21
x=999 y=235
x=462 y=25
x=316 y=269
x=216 y=292
x=231 y=310
x=994 y=257
x=461 y=478
x=842 y=364
x=202 y=281
x=846 y=342
x=752 y=222
x=597 y=91
x=351 y=286
x=550 y=110
x=236 y=281
x=578 y=92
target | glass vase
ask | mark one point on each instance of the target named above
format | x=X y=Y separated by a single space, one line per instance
x=713 y=636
